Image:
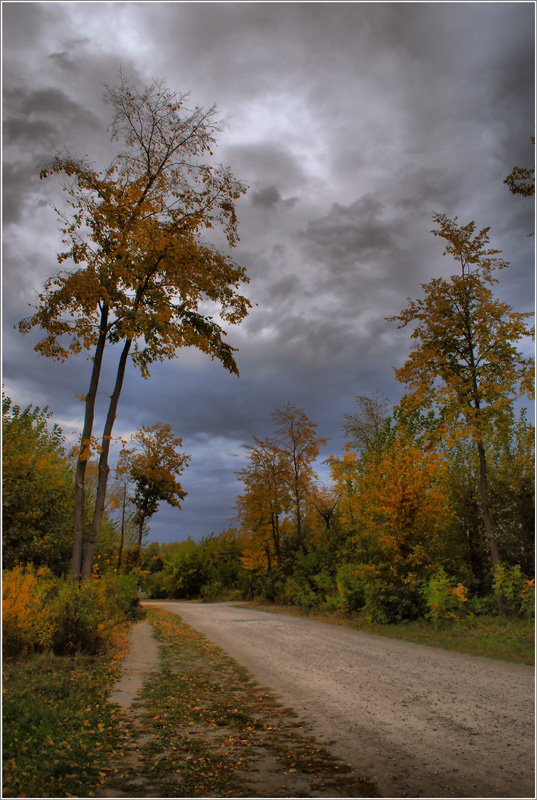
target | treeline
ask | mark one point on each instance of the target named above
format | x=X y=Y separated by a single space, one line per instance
x=397 y=534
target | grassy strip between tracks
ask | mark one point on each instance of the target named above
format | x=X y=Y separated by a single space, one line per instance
x=494 y=637
x=200 y=728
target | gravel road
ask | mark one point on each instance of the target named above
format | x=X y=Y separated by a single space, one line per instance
x=417 y=720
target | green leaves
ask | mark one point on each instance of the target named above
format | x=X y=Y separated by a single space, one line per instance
x=37 y=504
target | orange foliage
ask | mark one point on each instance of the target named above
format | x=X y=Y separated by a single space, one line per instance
x=27 y=619
x=396 y=506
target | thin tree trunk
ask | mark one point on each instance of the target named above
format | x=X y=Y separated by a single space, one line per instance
x=120 y=553
x=85 y=441
x=104 y=469
x=276 y=537
x=487 y=519
x=269 y=560
x=140 y=536
x=298 y=517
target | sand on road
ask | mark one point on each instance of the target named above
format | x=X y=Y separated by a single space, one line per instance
x=418 y=721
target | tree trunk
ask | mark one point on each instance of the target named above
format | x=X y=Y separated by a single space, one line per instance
x=120 y=553
x=85 y=441
x=298 y=519
x=487 y=520
x=269 y=560
x=276 y=537
x=104 y=469
x=139 y=550
x=478 y=437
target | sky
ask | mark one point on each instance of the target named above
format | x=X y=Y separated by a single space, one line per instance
x=351 y=123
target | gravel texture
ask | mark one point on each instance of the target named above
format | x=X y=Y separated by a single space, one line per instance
x=418 y=721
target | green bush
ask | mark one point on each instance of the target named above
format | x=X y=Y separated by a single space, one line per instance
x=527 y=604
x=482 y=606
x=387 y=595
x=156 y=586
x=350 y=589
x=312 y=582
x=517 y=591
x=444 y=599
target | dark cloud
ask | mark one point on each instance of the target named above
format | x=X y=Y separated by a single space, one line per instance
x=348 y=234
x=275 y=159
x=269 y=196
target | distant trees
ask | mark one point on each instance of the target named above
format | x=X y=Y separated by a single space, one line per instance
x=153 y=466
x=299 y=445
x=435 y=493
x=139 y=269
x=265 y=498
x=400 y=515
x=279 y=479
x=364 y=428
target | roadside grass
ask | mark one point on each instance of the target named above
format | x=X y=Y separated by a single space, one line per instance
x=58 y=728
x=203 y=727
x=494 y=637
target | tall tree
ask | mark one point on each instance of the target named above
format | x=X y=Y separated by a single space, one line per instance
x=153 y=466
x=139 y=269
x=465 y=361
x=266 y=497
x=300 y=445
x=364 y=427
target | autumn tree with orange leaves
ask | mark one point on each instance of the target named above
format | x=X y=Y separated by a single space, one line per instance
x=296 y=436
x=399 y=517
x=264 y=500
x=138 y=268
x=465 y=361
x=153 y=465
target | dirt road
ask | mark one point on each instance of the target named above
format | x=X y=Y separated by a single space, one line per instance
x=419 y=721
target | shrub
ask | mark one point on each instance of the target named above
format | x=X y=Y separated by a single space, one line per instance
x=388 y=595
x=27 y=619
x=312 y=581
x=156 y=586
x=518 y=593
x=444 y=600
x=527 y=605
x=482 y=606
x=350 y=589
x=42 y=612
